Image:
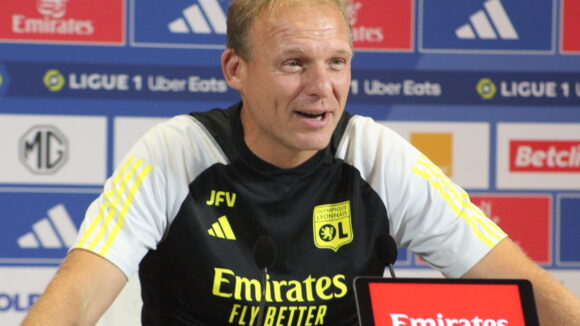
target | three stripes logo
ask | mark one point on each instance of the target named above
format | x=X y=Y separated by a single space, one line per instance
x=206 y=17
x=102 y=231
x=222 y=229
x=53 y=232
x=488 y=24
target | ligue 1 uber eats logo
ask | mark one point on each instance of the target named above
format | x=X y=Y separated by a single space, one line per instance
x=53 y=80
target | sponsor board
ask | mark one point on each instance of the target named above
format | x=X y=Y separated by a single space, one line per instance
x=44 y=149
x=452 y=87
x=118 y=82
x=438 y=304
x=180 y=24
x=377 y=29
x=490 y=26
x=525 y=218
x=127 y=131
x=447 y=144
x=196 y=83
x=39 y=225
x=538 y=156
x=570 y=25
x=568 y=229
x=63 y=22
x=20 y=287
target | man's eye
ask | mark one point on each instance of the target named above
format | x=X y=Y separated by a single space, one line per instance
x=338 y=61
x=293 y=63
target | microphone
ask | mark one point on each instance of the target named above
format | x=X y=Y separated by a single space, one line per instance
x=265 y=255
x=386 y=251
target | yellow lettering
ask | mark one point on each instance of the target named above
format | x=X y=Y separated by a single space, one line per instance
x=269 y=318
x=211 y=198
x=302 y=309
x=322 y=285
x=234 y=312
x=320 y=315
x=337 y=280
x=294 y=294
x=246 y=285
x=291 y=317
x=231 y=199
x=281 y=316
x=218 y=280
x=255 y=310
x=219 y=197
x=310 y=315
x=308 y=282
x=277 y=291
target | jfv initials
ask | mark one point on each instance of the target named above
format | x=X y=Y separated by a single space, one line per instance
x=218 y=197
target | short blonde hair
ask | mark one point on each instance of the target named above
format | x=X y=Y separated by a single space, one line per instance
x=243 y=13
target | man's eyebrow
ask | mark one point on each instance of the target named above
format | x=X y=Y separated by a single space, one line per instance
x=300 y=51
x=293 y=51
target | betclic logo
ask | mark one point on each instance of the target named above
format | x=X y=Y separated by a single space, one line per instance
x=63 y=21
x=544 y=156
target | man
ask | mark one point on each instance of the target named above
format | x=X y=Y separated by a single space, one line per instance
x=189 y=201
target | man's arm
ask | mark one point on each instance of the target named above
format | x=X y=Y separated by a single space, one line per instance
x=556 y=305
x=81 y=291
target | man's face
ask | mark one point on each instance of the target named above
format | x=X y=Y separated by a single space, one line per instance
x=295 y=83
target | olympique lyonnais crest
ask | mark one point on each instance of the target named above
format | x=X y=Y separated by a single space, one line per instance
x=332 y=225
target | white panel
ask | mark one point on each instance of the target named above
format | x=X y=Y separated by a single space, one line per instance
x=87 y=154
x=470 y=140
x=21 y=285
x=538 y=132
x=128 y=131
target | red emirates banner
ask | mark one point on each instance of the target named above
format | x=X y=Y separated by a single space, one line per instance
x=63 y=21
x=382 y=25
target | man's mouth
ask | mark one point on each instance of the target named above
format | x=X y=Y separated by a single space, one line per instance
x=314 y=116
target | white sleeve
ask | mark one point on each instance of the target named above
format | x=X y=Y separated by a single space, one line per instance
x=428 y=213
x=144 y=194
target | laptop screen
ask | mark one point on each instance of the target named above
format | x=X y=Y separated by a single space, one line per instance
x=444 y=302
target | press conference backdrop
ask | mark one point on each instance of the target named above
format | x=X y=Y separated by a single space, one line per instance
x=488 y=89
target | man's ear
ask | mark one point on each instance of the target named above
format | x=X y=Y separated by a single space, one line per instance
x=233 y=69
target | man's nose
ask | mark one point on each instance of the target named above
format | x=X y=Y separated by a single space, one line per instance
x=318 y=81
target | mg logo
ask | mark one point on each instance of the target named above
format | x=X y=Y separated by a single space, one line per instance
x=43 y=149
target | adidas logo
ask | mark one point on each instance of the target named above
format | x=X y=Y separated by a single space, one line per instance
x=222 y=229
x=53 y=232
x=484 y=28
x=198 y=18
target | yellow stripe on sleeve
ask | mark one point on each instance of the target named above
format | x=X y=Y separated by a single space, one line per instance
x=115 y=202
x=97 y=220
x=117 y=226
x=458 y=201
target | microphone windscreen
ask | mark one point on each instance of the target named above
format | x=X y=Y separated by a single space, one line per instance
x=386 y=249
x=265 y=253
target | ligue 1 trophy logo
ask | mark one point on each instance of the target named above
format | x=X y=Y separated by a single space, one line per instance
x=52 y=8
